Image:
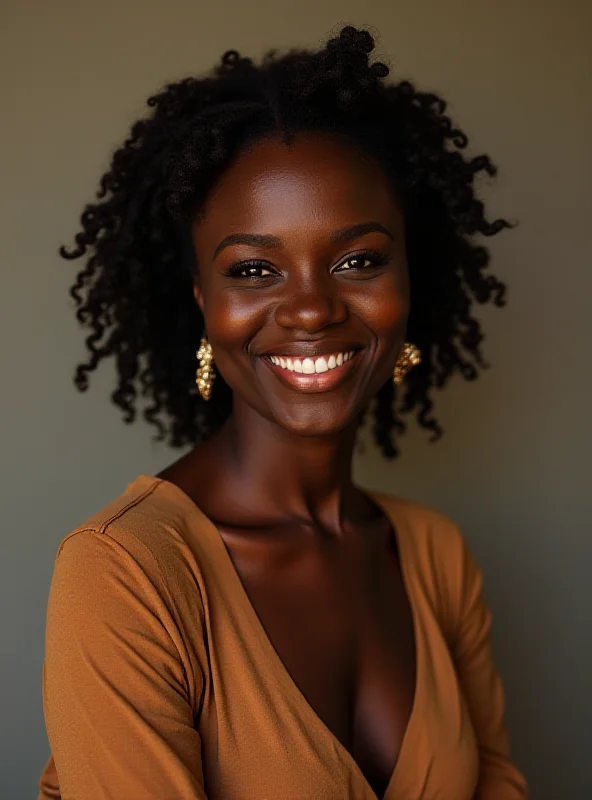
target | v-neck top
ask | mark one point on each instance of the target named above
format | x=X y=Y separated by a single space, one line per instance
x=160 y=682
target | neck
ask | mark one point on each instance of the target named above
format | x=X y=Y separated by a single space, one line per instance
x=275 y=474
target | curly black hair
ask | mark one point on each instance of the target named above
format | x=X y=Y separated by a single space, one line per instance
x=135 y=292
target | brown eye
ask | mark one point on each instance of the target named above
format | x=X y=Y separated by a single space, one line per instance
x=252 y=269
x=362 y=261
x=357 y=262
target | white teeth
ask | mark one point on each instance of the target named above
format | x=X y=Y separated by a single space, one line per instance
x=310 y=366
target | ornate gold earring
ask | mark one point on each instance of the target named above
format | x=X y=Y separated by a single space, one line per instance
x=204 y=377
x=410 y=356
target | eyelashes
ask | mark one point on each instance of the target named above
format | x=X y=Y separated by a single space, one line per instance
x=248 y=269
x=375 y=258
x=257 y=269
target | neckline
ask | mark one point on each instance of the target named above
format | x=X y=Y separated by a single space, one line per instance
x=277 y=665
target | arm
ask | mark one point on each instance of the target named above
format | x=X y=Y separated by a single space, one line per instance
x=117 y=699
x=499 y=779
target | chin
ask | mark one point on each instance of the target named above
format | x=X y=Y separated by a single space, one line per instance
x=315 y=419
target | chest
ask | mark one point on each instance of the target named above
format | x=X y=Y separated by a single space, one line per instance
x=338 y=616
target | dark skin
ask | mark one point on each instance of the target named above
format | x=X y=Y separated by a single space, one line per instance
x=317 y=558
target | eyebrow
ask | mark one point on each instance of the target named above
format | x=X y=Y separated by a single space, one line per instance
x=267 y=240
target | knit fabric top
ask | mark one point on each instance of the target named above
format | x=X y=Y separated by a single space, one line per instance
x=160 y=683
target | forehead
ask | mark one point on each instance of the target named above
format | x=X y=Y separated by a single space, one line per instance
x=318 y=179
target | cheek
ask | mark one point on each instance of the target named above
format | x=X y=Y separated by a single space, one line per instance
x=233 y=318
x=384 y=308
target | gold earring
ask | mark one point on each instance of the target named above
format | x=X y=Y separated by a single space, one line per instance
x=410 y=356
x=204 y=377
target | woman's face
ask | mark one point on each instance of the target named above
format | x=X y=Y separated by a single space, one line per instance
x=303 y=281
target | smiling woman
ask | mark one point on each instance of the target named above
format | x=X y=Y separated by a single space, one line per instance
x=319 y=268
x=250 y=623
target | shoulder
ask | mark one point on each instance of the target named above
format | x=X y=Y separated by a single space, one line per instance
x=437 y=552
x=429 y=533
x=142 y=512
x=141 y=536
x=125 y=586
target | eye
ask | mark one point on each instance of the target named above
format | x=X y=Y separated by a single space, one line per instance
x=362 y=261
x=250 y=269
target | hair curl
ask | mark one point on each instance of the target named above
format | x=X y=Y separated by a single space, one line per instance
x=135 y=291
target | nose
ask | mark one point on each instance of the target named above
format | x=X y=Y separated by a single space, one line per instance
x=310 y=307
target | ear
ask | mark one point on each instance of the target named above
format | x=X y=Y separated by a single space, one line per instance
x=198 y=295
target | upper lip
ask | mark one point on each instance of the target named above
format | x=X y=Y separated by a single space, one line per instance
x=310 y=349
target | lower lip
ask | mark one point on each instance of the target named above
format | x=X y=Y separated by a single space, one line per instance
x=317 y=381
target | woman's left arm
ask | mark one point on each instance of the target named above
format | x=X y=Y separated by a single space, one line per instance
x=499 y=779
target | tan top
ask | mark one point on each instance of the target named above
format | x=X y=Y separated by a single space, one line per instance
x=160 y=683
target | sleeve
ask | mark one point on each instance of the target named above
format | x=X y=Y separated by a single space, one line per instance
x=48 y=784
x=117 y=699
x=499 y=779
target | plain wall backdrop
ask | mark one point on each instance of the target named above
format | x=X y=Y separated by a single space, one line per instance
x=513 y=468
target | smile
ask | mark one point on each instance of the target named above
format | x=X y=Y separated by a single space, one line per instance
x=312 y=366
x=318 y=374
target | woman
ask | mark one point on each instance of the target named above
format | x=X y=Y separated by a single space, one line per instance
x=250 y=623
